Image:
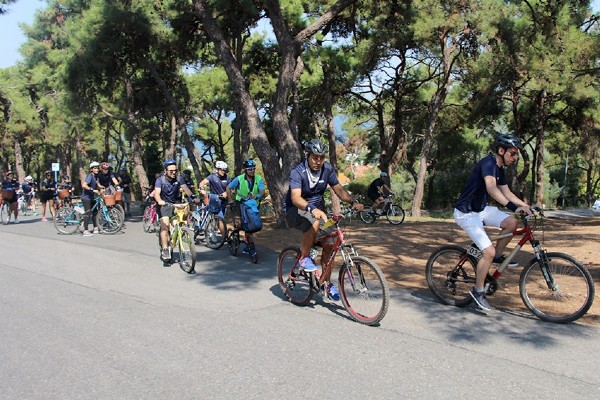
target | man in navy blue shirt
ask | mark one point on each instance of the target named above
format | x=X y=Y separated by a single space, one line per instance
x=472 y=212
x=217 y=183
x=305 y=206
x=166 y=193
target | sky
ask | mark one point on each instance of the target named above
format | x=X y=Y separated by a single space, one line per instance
x=23 y=11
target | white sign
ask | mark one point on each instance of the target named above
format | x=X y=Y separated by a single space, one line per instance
x=55 y=167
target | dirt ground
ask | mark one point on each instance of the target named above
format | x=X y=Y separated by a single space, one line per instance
x=402 y=252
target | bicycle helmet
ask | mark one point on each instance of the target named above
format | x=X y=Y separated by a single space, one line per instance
x=122 y=169
x=8 y=173
x=66 y=178
x=315 y=146
x=169 y=161
x=506 y=141
x=94 y=164
x=48 y=172
x=383 y=175
x=221 y=165
x=249 y=164
x=29 y=178
x=105 y=165
x=187 y=172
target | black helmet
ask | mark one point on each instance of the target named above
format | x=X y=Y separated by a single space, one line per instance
x=507 y=140
x=249 y=164
x=187 y=172
x=315 y=146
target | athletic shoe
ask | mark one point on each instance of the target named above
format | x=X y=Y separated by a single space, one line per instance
x=165 y=255
x=87 y=233
x=307 y=264
x=16 y=221
x=245 y=250
x=44 y=219
x=332 y=292
x=480 y=299
x=96 y=231
x=500 y=259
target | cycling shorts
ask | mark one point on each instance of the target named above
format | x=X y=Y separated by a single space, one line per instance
x=473 y=223
x=165 y=211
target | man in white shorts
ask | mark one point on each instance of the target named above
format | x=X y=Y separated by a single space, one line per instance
x=471 y=212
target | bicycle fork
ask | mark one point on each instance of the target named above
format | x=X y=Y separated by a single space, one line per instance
x=544 y=261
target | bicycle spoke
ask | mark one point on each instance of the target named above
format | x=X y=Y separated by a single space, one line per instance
x=450 y=276
x=294 y=283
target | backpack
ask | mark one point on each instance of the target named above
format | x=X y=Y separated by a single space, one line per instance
x=214 y=204
x=251 y=221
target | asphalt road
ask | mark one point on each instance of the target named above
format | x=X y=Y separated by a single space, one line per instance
x=100 y=318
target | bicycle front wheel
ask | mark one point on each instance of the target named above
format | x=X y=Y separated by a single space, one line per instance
x=187 y=251
x=147 y=219
x=67 y=220
x=5 y=213
x=367 y=217
x=571 y=294
x=450 y=274
x=364 y=291
x=395 y=214
x=213 y=237
x=294 y=282
x=109 y=221
x=234 y=242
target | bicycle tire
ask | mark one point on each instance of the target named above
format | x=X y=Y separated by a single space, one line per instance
x=251 y=248
x=147 y=219
x=294 y=283
x=187 y=251
x=109 y=223
x=448 y=281
x=67 y=221
x=5 y=213
x=364 y=290
x=367 y=217
x=572 y=297
x=395 y=214
x=213 y=238
x=121 y=210
x=234 y=242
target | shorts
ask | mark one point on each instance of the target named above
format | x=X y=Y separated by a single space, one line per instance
x=165 y=211
x=45 y=196
x=303 y=221
x=373 y=196
x=473 y=223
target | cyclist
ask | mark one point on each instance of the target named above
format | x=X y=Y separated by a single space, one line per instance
x=28 y=190
x=11 y=184
x=66 y=183
x=305 y=206
x=125 y=184
x=472 y=212
x=166 y=193
x=189 y=181
x=377 y=189
x=47 y=193
x=89 y=187
x=106 y=179
x=218 y=182
x=248 y=185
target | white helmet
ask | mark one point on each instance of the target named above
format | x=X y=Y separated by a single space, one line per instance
x=29 y=178
x=94 y=164
x=221 y=165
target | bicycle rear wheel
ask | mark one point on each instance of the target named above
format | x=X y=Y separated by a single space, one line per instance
x=395 y=214
x=364 y=291
x=450 y=274
x=213 y=238
x=5 y=213
x=571 y=297
x=234 y=242
x=67 y=220
x=367 y=217
x=294 y=283
x=187 y=251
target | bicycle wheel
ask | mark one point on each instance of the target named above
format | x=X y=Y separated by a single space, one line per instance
x=5 y=213
x=364 y=291
x=67 y=220
x=187 y=251
x=294 y=283
x=121 y=210
x=571 y=297
x=251 y=248
x=234 y=242
x=147 y=219
x=109 y=221
x=213 y=237
x=450 y=274
x=395 y=214
x=367 y=217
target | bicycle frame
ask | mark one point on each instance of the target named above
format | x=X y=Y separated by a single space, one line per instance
x=176 y=221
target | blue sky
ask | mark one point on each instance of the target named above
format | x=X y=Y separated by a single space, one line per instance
x=23 y=11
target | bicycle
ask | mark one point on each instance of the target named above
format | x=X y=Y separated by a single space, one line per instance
x=363 y=288
x=555 y=287
x=393 y=212
x=208 y=223
x=233 y=238
x=5 y=209
x=178 y=236
x=150 y=218
x=109 y=219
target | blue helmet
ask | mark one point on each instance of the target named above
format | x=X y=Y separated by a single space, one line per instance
x=169 y=161
x=249 y=164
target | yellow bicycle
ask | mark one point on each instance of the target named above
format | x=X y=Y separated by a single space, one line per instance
x=180 y=238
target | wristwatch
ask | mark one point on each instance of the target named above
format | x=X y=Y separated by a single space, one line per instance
x=309 y=209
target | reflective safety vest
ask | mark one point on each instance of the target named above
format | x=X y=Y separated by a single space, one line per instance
x=243 y=189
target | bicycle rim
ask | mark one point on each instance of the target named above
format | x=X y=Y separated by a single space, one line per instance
x=449 y=277
x=213 y=237
x=571 y=297
x=67 y=220
x=147 y=219
x=294 y=283
x=364 y=291
x=109 y=221
x=366 y=217
x=395 y=214
x=234 y=243
x=5 y=213
x=187 y=252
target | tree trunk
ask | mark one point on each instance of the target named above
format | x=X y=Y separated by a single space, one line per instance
x=541 y=111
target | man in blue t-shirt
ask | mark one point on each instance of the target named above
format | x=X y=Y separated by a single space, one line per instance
x=305 y=205
x=217 y=183
x=471 y=212
x=166 y=193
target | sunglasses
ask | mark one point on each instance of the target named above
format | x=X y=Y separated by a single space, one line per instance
x=172 y=170
x=250 y=169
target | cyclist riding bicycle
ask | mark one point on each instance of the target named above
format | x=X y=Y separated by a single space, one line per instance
x=248 y=185
x=11 y=185
x=28 y=190
x=305 y=205
x=89 y=187
x=166 y=193
x=472 y=212
x=217 y=183
x=377 y=189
